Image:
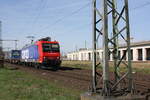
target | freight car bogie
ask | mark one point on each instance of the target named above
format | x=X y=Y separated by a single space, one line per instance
x=37 y=65
x=14 y=61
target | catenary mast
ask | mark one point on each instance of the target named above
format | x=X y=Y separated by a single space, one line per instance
x=1 y=48
x=112 y=23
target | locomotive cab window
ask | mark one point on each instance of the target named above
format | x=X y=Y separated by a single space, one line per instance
x=47 y=47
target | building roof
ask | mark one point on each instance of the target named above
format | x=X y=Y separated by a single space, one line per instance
x=134 y=44
x=143 y=43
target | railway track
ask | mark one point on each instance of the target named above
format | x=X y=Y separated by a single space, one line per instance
x=80 y=78
x=73 y=78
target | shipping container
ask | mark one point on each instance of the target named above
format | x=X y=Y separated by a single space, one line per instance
x=15 y=54
x=12 y=56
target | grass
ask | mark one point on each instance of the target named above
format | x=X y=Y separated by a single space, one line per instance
x=142 y=67
x=77 y=64
x=17 y=85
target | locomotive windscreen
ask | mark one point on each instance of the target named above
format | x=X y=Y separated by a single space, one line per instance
x=50 y=47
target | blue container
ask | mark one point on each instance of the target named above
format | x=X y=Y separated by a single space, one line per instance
x=15 y=54
x=30 y=53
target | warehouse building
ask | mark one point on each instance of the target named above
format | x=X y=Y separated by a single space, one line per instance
x=140 y=51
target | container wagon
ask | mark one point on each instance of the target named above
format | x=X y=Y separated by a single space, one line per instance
x=13 y=56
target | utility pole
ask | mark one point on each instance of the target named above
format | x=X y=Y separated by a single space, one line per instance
x=0 y=36
x=94 y=66
x=101 y=26
x=16 y=44
x=85 y=45
x=1 y=48
x=31 y=38
x=76 y=48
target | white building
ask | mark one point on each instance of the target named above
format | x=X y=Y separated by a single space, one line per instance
x=140 y=51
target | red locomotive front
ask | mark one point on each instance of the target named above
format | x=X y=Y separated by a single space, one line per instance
x=49 y=52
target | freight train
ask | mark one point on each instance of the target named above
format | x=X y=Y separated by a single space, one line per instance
x=43 y=52
x=13 y=56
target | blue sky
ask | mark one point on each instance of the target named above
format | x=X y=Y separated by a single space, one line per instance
x=59 y=20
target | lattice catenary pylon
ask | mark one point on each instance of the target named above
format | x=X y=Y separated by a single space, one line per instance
x=111 y=23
